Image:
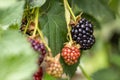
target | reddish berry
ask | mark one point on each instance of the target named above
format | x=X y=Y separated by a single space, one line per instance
x=38 y=75
x=54 y=69
x=70 y=54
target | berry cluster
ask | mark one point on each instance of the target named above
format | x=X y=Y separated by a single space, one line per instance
x=38 y=75
x=70 y=54
x=55 y=69
x=40 y=48
x=82 y=33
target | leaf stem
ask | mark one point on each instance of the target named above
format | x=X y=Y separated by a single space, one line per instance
x=43 y=40
x=68 y=6
x=85 y=74
x=36 y=21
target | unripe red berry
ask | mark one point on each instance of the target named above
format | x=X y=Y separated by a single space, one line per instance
x=70 y=54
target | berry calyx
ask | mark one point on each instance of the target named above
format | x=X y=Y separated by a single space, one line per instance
x=70 y=54
x=54 y=68
x=82 y=33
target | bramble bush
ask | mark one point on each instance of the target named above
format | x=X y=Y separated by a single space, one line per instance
x=59 y=39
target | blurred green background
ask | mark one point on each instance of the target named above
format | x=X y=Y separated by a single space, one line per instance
x=102 y=62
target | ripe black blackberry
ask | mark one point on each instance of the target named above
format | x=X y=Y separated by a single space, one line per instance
x=82 y=33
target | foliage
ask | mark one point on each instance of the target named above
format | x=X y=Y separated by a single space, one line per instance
x=15 y=61
x=17 y=58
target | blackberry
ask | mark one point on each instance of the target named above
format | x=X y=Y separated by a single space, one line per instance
x=53 y=66
x=54 y=69
x=39 y=47
x=82 y=33
x=38 y=75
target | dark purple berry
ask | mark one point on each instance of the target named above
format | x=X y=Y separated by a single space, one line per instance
x=39 y=47
x=82 y=33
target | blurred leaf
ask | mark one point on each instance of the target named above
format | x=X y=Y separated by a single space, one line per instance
x=48 y=77
x=115 y=59
x=11 y=15
x=94 y=7
x=6 y=3
x=119 y=45
x=96 y=58
x=17 y=59
x=54 y=27
x=114 y=5
x=107 y=74
x=93 y=20
x=36 y=3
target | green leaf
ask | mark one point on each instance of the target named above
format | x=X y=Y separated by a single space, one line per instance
x=48 y=77
x=6 y=3
x=37 y=3
x=54 y=27
x=107 y=74
x=114 y=5
x=114 y=59
x=93 y=20
x=17 y=59
x=11 y=15
x=98 y=8
x=69 y=69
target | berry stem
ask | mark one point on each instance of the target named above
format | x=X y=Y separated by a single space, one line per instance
x=67 y=17
x=69 y=8
x=26 y=27
x=71 y=41
x=42 y=38
x=84 y=72
x=36 y=21
x=69 y=34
